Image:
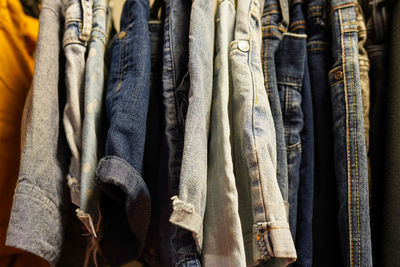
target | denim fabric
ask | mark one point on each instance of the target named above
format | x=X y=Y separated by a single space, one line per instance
x=289 y=72
x=176 y=240
x=78 y=14
x=153 y=145
x=222 y=246
x=303 y=238
x=350 y=158
x=326 y=243
x=273 y=25
x=127 y=97
x=41 y=210
x=262 y=211
x=93 y=126
x=189 y=205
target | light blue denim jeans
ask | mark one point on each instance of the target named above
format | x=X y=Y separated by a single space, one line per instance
x=262 y=210
x=189 y=206
x=78 y=24
x=93 y=125
x=223 y=242
x=350 y=157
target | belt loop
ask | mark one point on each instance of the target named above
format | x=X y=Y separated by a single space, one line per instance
x=87 y=20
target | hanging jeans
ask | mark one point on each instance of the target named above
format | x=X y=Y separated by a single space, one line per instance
x=350 y=158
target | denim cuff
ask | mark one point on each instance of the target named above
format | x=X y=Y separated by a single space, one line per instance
x=274 y=240
x=35 y=223
x=185 y=216
x=124 y=184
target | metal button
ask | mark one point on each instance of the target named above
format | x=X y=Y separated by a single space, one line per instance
x=338 y=75
x=121 y=34
x=243 y=46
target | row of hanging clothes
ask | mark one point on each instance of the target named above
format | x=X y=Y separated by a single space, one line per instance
x=199 y=133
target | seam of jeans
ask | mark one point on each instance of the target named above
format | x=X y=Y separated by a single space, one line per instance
x=355 y=142
x=266 y=66
x=253 y=80
x=347 y=148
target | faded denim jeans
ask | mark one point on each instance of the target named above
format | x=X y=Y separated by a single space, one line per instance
x=93 y=125
x=119 y=172
x=42 y=211
x=189 y=205
x=223 y=242
x=274 y=22
x=262 y=210
x=350 y=157
x=78 y=24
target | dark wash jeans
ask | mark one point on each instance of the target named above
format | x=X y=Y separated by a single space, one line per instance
x=120 y=171
x=350 y=156
x=304 y=206
x=326 y=242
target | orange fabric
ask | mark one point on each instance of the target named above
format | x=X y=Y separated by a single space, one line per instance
x=18 y=36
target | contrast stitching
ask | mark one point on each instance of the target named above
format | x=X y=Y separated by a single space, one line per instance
x=336 y=83
x=271 y=34
x=356 y=147
x=343 y=6
x=267 y=231
x=315 y=7
x=298 y=22
x=348 y=147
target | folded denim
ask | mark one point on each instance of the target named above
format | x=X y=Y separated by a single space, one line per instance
x=119 y=172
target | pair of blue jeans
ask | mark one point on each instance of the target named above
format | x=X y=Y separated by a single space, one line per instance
x=119 y=172
x=350 y=157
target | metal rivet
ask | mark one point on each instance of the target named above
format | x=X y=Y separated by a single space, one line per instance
x=338 y=75
x=243 y=46
x=121 y=34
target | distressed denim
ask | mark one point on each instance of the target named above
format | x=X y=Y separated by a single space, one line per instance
x=289 y=72
x=176 y=239
x=350 y=158
x=119 y=172
x=304 y=209
x=189 y=205
x=78 y=24
x=274 y=22
x=223 y=242
x=42 y=212
x=326 y=243
x=262 y=210
x=93 y=126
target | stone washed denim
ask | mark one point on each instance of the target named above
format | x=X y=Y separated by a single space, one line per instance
x=303 y=237
x=93 y=125
x=274 y=22
x=78 y=24
x=350 y=158
x=262 y=211
x=223 y=238
x=176 y=239
x=42 y=212
x=326 y=243
x=119 y=172
x=189 y=205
